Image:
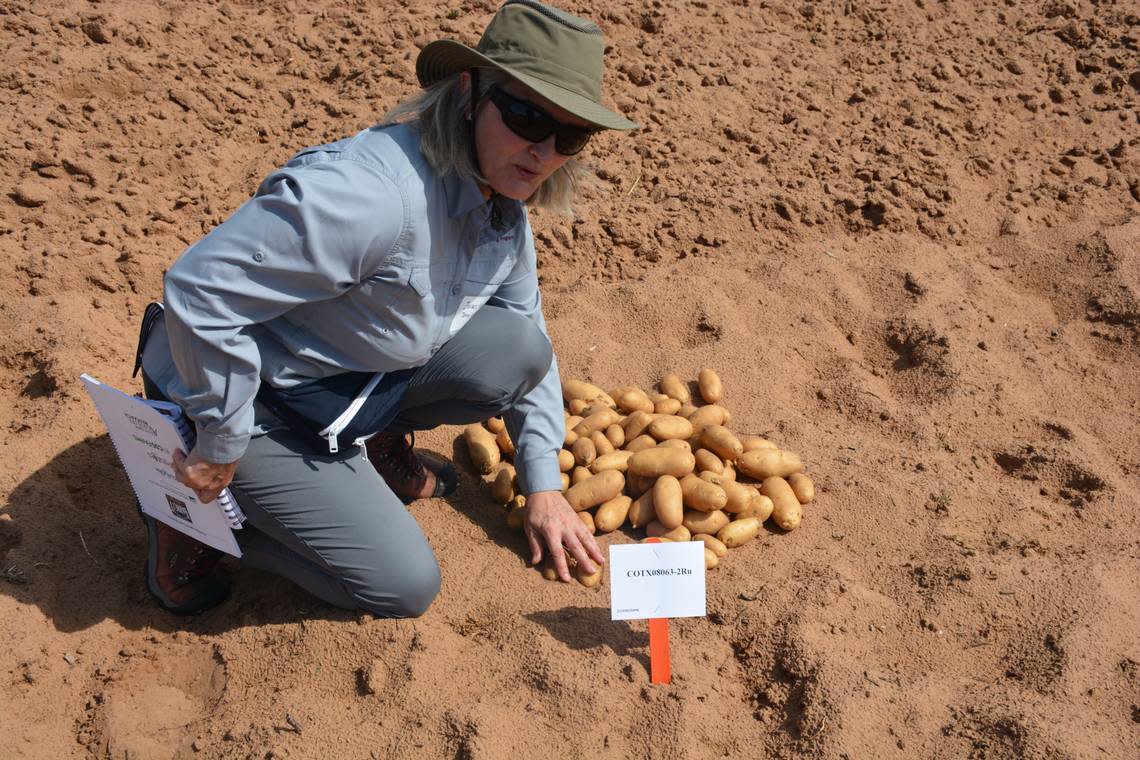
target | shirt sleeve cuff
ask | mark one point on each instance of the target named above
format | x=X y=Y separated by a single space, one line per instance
x=220 y=449
x=540 y=474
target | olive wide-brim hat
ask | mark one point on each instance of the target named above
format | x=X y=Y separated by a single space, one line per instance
x=557 y=55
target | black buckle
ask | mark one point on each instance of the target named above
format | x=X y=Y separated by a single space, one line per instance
x=154 y=310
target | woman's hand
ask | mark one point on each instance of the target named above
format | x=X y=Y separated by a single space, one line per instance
x=206 y=478
x=551 y=525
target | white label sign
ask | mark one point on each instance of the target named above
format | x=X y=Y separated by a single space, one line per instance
x=657 y=580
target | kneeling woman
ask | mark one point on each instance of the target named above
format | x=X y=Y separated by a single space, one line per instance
x=404 y=250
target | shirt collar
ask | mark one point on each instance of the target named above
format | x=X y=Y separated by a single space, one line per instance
x=463 y=195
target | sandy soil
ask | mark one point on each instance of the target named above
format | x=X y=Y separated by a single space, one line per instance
x=907 y=234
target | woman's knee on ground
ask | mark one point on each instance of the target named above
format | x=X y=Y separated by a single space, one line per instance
x=406 y=593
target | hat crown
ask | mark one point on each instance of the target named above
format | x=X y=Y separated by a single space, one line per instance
x=556 y=55
x=548 y=44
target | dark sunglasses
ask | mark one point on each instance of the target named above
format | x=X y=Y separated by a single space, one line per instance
x=531 y=123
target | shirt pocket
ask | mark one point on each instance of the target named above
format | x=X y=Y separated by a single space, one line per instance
x=399 y=281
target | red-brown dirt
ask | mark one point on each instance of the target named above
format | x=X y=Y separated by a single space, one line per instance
x=907 y=235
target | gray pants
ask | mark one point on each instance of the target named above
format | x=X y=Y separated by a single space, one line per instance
x=329 y=522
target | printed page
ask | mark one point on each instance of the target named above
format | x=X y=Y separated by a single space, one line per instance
x=145 y=440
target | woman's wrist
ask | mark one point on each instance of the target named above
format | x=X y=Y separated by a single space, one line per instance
x=541 y=474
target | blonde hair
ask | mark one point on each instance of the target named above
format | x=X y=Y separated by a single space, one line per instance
x=439 y=115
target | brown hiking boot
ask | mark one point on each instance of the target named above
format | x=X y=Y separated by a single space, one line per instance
x=409 y=473
x=182 y=573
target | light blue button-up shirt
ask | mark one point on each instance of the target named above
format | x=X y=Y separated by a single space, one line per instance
x=354 y=256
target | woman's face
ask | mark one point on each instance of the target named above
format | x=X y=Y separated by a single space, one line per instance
x=513 y=166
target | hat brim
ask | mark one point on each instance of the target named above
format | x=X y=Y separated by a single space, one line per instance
x=443 y=58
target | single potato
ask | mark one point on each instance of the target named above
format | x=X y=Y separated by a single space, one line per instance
x=740 y=496
x=702 y=495
x=658 y=461
x=669 y=426
x=657 y=530
x=636 y=423
x=595 y=490
x=602 y=445
x=739 y=532
x=721 y=441
x=707 y=461
x=710 y=386
x=634 y=399
x=786 y=512
x=502 y=487
x=674 y=387
x=482 y=447
x=766 y=463
x=578 y=389
x=642 y=511
x=640 y=443
x=708 y=415
x=802 y=486
x=588 y=520
x=704 y=522
x=617 y=460
x=589 y=580
x=584 y=452
x=711 y=542
x=667 y=501
x=597 y=421
x=612 y=514
x=754 y=442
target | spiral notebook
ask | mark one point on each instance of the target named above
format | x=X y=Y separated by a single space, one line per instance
x=145 y=435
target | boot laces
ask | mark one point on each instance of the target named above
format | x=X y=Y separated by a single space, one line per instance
x=398 y=453
x=196 y=561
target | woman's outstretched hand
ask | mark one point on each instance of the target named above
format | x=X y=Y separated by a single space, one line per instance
x=206 y=478
x=552 y=527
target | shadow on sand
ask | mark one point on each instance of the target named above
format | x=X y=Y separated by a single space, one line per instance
x=72 y=544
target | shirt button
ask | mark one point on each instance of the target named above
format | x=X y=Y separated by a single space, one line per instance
x=259 y=256
x=455 y=290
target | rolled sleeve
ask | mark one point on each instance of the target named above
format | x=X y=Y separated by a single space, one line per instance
x=309 y=234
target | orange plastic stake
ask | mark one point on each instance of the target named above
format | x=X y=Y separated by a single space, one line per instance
x=658 y=645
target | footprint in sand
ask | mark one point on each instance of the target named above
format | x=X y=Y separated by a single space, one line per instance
x=151 y=707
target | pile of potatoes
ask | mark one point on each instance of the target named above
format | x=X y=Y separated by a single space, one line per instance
x=657 y=461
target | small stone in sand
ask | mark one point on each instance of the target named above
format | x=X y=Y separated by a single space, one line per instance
x=97 y=30
x=373 y=679
x=31 y=194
